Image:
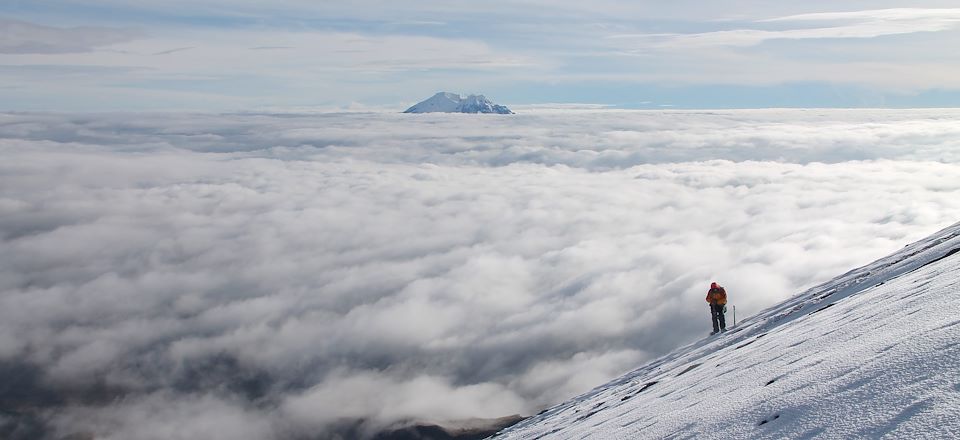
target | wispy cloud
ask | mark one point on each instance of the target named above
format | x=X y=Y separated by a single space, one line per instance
x=20 y=37
x=303 y=52
x=859 y=24
x=170 y=51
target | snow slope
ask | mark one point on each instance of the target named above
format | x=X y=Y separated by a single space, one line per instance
x=446 y=102
x=441 y=102
x=873 y=353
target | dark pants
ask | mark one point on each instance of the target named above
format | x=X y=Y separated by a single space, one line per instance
x=716 y=312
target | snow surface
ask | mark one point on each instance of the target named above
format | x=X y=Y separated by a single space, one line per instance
x=873 y=353
x=446 y=102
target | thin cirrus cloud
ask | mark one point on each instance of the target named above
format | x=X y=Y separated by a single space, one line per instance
x=858 y=24
x=328 y=50
x=20 y=37
x=306 y=53
x=170 y=51
x=281 y=275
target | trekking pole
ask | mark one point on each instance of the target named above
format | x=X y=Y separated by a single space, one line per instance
x=734 y=316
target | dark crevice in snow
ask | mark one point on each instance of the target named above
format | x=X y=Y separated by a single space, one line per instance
x=647 y=385
x=765 y=421
x=688 y=369
x=642 y=389
x=822 y=308
x=947 y=325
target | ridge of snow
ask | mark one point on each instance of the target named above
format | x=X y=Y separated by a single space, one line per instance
x=874 y=352
x=447 y=102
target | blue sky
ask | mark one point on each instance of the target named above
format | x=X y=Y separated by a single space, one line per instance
x=216 y=55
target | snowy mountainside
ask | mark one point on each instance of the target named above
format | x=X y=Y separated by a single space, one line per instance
x=872 y=353
x=446 y=102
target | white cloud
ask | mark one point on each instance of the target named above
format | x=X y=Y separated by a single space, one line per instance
x=281 y=273
x=384 y=400
x=920 y=18
x=858 y=24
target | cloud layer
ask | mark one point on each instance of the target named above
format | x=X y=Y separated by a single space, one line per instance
x=258 y=275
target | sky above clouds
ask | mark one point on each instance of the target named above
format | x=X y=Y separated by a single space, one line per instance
x=230 y=55
x=255 y=275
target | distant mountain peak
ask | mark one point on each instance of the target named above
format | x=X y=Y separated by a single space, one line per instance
x=446 y=102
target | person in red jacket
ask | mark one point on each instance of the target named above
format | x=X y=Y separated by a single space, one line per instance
x=717 y=297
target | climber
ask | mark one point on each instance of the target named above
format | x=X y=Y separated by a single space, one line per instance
x=717 y=297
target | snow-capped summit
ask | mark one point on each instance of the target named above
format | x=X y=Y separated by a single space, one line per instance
x=447 y=102
x=480 y=104
x=873 y=353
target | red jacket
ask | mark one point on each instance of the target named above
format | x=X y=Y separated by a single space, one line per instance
x=717 y=296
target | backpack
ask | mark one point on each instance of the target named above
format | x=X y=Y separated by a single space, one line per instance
x=718 y=295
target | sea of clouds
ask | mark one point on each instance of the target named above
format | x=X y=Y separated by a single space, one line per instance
x=251 y=276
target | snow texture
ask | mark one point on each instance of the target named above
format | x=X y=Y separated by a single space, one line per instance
x=446 y=102
x=874 y=353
